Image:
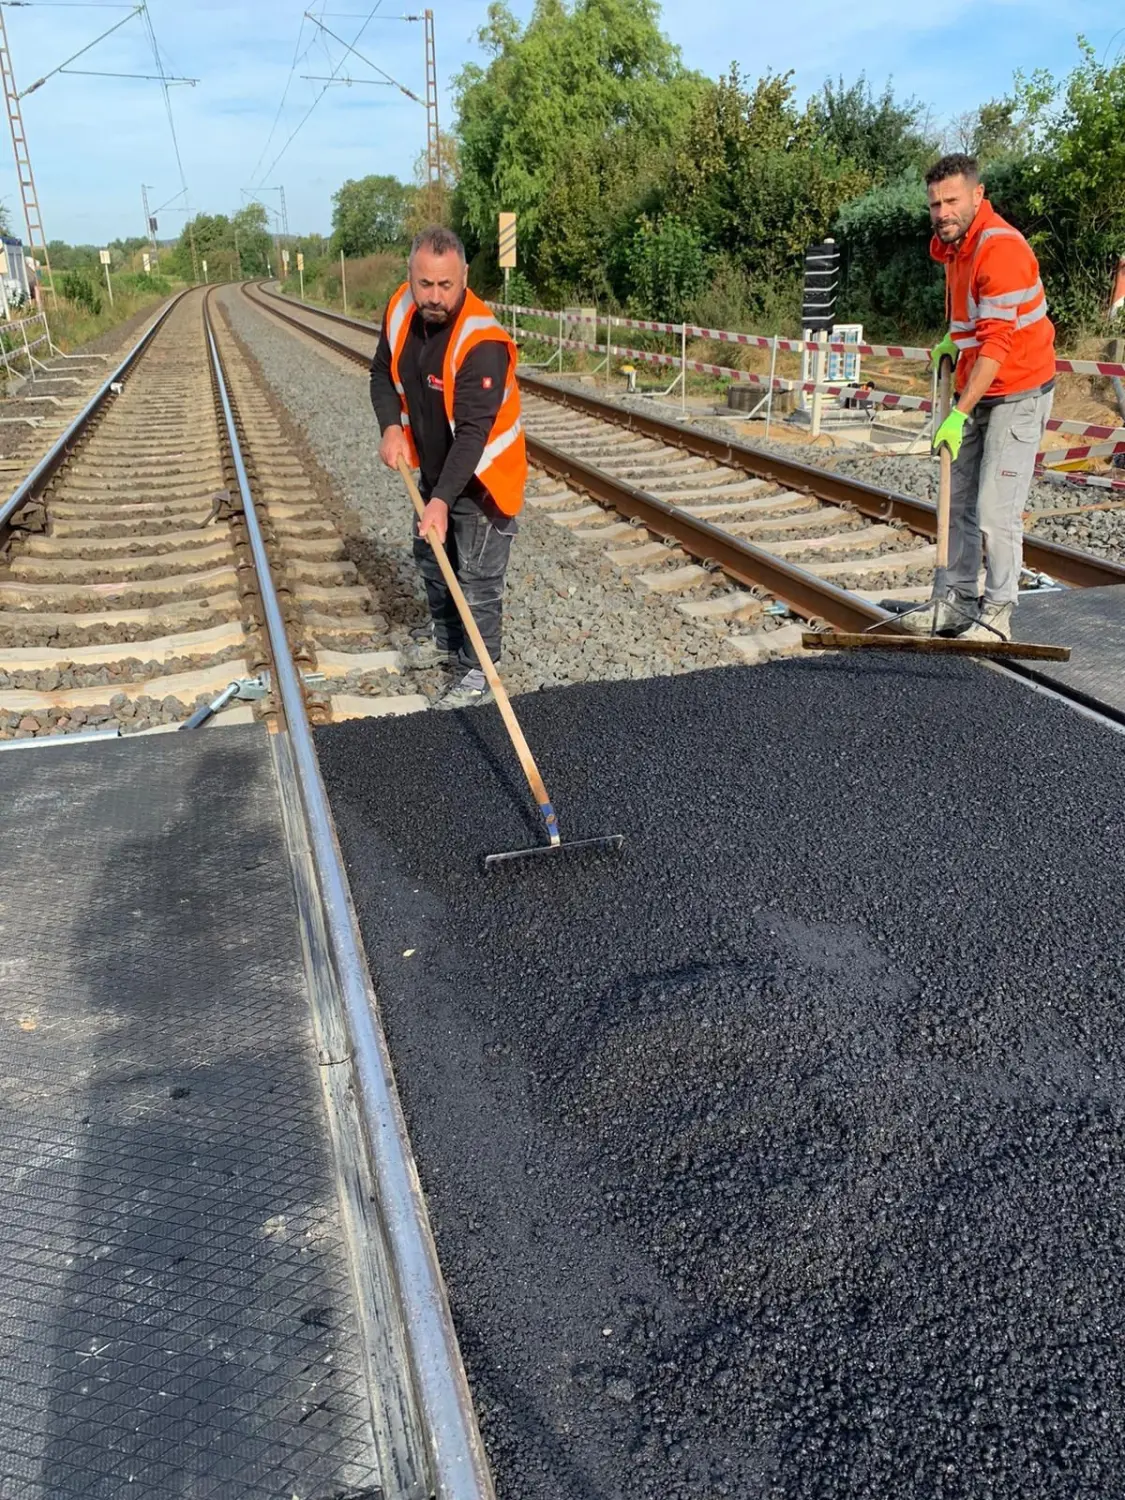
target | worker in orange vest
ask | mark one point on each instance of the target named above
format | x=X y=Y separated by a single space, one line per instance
x=1003 y=345
x=443 y=385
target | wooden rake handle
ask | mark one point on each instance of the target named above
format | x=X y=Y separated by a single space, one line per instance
x=945 y=486
x=503 y=702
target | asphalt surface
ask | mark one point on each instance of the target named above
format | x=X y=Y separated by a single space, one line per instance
x=780 y=1156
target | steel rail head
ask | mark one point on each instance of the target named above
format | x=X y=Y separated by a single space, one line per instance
x=29 y=487
x=1067 y=564
x=319 y=334
x=459 y=1470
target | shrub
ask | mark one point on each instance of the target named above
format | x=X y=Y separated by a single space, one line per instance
x=77 y=287
x=144 y=284
x=665 y=267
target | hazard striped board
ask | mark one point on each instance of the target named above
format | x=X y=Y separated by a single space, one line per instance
x=507 y=233
x=1053 y=457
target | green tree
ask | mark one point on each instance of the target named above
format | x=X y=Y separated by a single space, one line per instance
x=758 y=181
x=665 y=268
x=882 y=136
x=238 y=245
x=253 y=243
x=369 y=215
x=565 y=97
x=1072 y=182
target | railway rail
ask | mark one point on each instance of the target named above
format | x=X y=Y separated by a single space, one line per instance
x=129 y=596
x=173 y=502
x=743 y=536
x=174 y=528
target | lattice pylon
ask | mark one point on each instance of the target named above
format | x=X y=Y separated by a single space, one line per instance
x=36 y=239
x=433 y=134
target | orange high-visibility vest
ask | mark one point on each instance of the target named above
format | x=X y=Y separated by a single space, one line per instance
x=997 y=305
x=503 y=464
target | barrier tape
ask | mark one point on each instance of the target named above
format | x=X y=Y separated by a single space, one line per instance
x=792 y=346
x=1112 y=439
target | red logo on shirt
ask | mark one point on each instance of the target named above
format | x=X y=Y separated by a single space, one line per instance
x=486 y=383
x=434 y=382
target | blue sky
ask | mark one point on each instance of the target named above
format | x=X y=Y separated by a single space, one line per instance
x=94 y=140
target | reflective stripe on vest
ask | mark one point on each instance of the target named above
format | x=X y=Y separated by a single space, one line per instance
x=398 y=314
x=498 y=445
x=1004 y=308
x=468 y=327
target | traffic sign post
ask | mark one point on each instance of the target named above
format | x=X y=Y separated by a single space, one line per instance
x=104 y=254
x=301 y=272
x=204 y=271
x=507 y=241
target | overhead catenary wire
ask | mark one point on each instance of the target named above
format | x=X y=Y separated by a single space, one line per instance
x=304 y=118
x=298 y=58
x=39 y=82
x=367 y=61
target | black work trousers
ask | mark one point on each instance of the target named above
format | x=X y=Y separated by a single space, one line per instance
x=478 y=542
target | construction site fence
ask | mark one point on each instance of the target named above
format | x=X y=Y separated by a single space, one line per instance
x=17 y=342
x=1108 y=440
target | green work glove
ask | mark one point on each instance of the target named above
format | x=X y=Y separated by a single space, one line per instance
x=950 y=433
x=940 y=351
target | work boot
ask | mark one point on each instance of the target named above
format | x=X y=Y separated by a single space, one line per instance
x=422 y=654
x=995 y=624
x=947 y=614
x=471 y=690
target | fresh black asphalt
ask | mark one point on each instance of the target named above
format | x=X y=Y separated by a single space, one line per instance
x=781 y=1155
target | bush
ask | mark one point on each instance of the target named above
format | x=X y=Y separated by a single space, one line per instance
x=78 y=287
x=890 y=282
x=521 y=293
x=664 y=267
x=143 y=284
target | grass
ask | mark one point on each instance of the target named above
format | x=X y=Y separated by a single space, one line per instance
x=74 y=325
x=371 y=280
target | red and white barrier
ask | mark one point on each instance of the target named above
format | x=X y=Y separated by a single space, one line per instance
x=1053 y=457
x=795 y=346
x=1090 y=481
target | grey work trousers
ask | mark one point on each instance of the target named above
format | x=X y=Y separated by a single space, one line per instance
x=477 y=543
x=990 y=483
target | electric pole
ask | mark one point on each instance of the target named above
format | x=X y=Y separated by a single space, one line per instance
x=150 y=223
x=36 y=239
x=433 y=134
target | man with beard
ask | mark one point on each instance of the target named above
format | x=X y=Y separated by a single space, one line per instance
x=1003 y=346
x=443 y=385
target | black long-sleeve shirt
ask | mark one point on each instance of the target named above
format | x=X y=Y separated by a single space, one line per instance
x=448 y=461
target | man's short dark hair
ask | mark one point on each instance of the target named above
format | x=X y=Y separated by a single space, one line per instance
x=438 y=241
x=956 y=164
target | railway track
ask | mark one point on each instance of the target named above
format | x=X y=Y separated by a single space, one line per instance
x=744 y=539
x=129 y=593
x=171 y=544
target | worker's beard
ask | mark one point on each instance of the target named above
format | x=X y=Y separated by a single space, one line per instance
x=434 y=315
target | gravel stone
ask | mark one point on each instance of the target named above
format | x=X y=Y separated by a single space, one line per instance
x=804 y=1116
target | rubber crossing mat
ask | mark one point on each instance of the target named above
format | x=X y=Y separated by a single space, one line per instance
x=175 y=1304
x=1092 y=621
